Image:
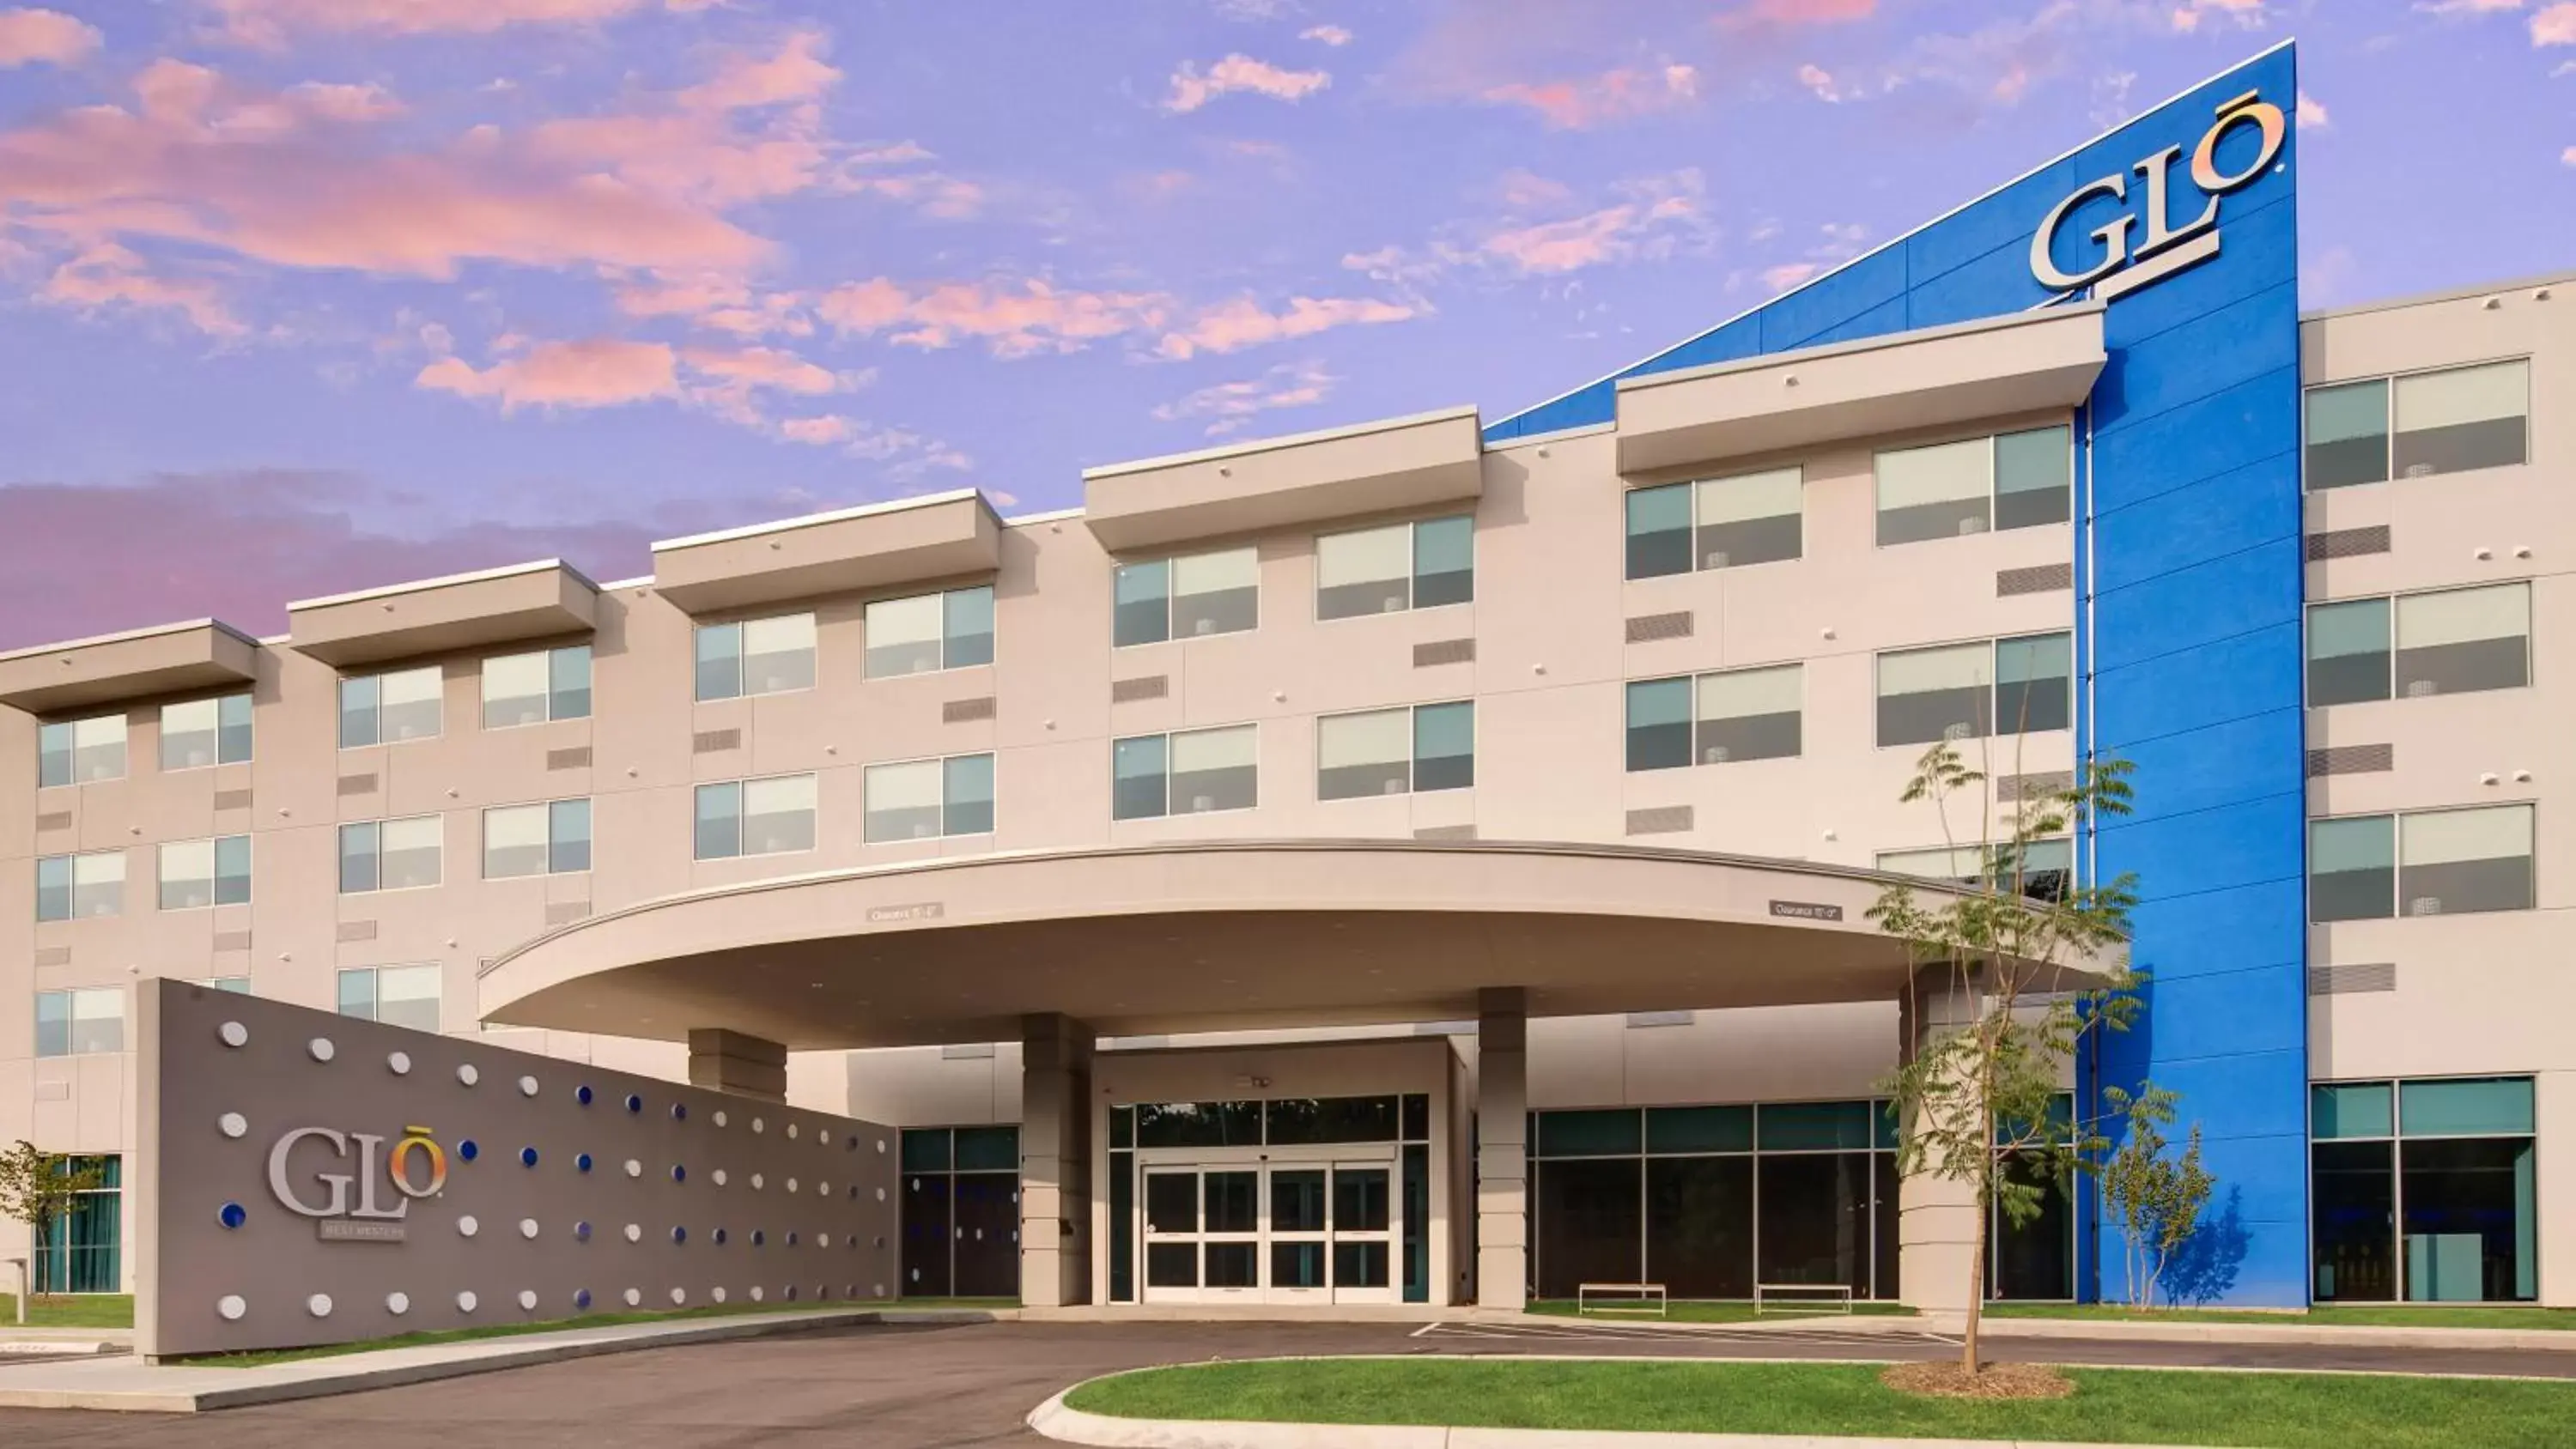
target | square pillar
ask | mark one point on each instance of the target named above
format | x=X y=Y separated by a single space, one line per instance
x=729 y=1061
x=1055 y=1161
x=1502 y=1149
x=1936 y=1217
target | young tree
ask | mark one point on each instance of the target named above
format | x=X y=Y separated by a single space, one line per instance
x=2021 y=957
x=37 y=1188
x=2155 y=1199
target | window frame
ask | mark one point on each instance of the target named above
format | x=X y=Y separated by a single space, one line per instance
x=72 y=884
x=1692 y=684
x=553 y=844
x=943 y=762
x=71 y=998
x=1170 y=563
x=72 y=735
x=1413 y=748
x=2388 y=382
x=867 y=633
x=1993 y=439
x=214 y=876
x=161 y=749
x=339 y=697
x=341 y=857
x=741 y=680
x=1167 y=736
x=2389 y=648
x=483 y=685
x=1413 y=568
x=739 y=784
x=1699 y=563
x=376 y=992
x=2394 y=1138
x=2397 y=860
x=1994 y=684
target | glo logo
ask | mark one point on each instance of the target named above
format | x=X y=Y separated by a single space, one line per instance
x=2166 y=248
x=416 y=1168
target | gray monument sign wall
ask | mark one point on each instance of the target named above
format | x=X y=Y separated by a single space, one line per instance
x=310 y=1178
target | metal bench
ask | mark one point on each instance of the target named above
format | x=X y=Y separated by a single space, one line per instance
x=1625 y=1298
x=1801 y=1298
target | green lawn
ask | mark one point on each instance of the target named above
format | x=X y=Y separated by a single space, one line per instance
x=262 y=1357
x=1695 y=1311
x=2386 y=1315
x=70 y=1310
x=2274 y=1411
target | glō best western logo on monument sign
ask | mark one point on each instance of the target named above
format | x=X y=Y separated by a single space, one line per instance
x=2115 y=267
x=415 y=1168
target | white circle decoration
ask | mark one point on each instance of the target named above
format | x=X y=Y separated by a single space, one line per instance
x=756 y=1183
x=319 y=1305
x=720 y=1177
x=399 y=1063
x=822 y=1189
x=527 y=1227
x=466 y=1301
x=718 y=1294
x=822 y=1240
x=881 y=1194
x=634 y=1168
x=880 y=1151
x=232 y=1124
x=233 y=1034
x=230 y=1307
x=528 y=1299
x=791 y=1130
x=720 y=1117
x=634 y=1296
x=876 y=1290
x=465 y=1073
x=791 y=1184
x=634 y=1233
x=756 y=1294
x=679 y=1296
x=398 y=1304
x=527 y=1086
x=467 y=1226
x=321 y=1048
x=759 y=1126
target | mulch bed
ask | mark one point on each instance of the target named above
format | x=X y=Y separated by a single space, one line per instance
x=1996 y=1381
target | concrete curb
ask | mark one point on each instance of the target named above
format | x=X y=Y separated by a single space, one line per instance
x=2260 y=1334
x=125 y=1385
x=59 y=1347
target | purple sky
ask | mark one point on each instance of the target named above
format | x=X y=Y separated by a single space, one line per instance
x=305 y=295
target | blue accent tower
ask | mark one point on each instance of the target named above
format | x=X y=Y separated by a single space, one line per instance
x=2189 y=582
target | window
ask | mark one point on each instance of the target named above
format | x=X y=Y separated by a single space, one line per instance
x=81 y=1249
x=1188 y=773
x=2450 y=421
x=76 y=887
x=1189 y=597
x=197 y=873
x=2011 y=480
x=930 y=631
x=960 y=1212
x=755 y=817
x=80 y=1023
x=1716 y=523
x=387 y=709
x=2046 y=865
x=1402 y=566
x=926 y=799
x=2427 y=863
x=405 y=996
x=205 y=732
x=2456 y=641
x=1716 y=719
x=552 y=838
x=1943 y=693
x=1395 y=751
x=520 y=689
x=2424 y=1190
x=75 y=752
x=237 y=985
x=756 y=656
x=391 y=855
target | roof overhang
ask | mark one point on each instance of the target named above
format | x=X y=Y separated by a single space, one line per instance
x=169 y=659
x=540 y=600
x=1210 y=936
x=880 y=545
x=1310 y=478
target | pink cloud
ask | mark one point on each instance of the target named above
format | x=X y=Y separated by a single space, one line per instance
x=1798 y=12
x=1193 y=88
x=105 y=276
x=2555 y=25
x=43 y=37
x=815 y=432
x=599 y=372
x=1639 y=225
x=1243 y=322
x=1820 y=81
x=1789 y=274
x=1232 y=405
x=1613 y=95
x=1332 y=35
x=269 y=22
x=1014 y=319
x=2188 y=15
x=796 y=72
x=2311 y=113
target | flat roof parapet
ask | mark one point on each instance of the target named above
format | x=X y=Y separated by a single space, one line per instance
x=1308 y=478
x=137 y=664
x=876 y=545
x=536 y=600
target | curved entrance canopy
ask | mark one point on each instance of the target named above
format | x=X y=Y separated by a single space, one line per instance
x=1205 y=936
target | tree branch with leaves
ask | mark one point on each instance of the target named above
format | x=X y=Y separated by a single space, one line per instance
x=41 y=1188
x=2155 y=1200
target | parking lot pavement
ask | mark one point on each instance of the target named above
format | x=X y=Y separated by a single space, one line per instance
x=917 y=1386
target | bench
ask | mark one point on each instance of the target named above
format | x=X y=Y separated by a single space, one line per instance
x=1624 y=1298
x=1801 y=1298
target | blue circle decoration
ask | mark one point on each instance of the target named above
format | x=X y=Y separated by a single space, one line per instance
x=758 y=1237
x=582 y=1164
x=720 y=1237
x=634 y=1103
x=791 y=1240
x=581 y=1094
x=581 y=1232
x=679 y=1235
x=581 y=1297
x=791 y=1292
x=466 y=1151
x=679 y=1111
x=852 y=1145
x=231 y=1215
x=527 y=1157
x=679 y=1173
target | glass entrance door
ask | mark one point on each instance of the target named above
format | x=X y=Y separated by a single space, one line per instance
x=1364 y=1231
x=1309 y=1232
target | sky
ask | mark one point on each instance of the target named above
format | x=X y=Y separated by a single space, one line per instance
x=300 y=296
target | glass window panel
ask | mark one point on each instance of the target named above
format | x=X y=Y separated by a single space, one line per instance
x=2352 y=868
x=2348 y=653
x=2463 y=418
x=98 y=748
x=778 y=815
x=232 y=870
x=1364 y=754
x=189 y=734
x=1215 y=770
x=1136 y=785
x=238 y=985
x=1961 y=863
x=98 y=884
x=2347 y=434
x=2034 y=477
x=2352 y=1109
x=719 y=661
x=357 y=994
x=54 y=888
x=2034 y=683
x=1297 y=1200
x=1359 y=1265
x=1230 y=1203
x=1699 y=1225
x=903 y=635
x=514 y=841
x=1198 y=1124
x=2483 y=1106
x=1596 y=1133
x=1305 y=1121
x=903 y=801
x=1216 y=593
x=2034 y=1260
x=1590 y=1222
x=358 y=863
x=1659 y=531
x=98 y=1020
x=1756 y=518
x=1793 y=1126
x=2462 y=640
x=1297 y=1265
x=1659 y=724
x=1368 y=572
x=514 y=690
x=1941 y=491
x=1932 y=694
x=568 y=836
x=407 y=996
x=568 y=682
x=54 y=754
x=778 y=654
x=1444 y=562
x=411 y=704
x=1141 y=608
x=232 y=729
x=187 y=874
x=1444 y=746
x=1815 y=1215
x=410 y=854
x=1417 y=1224
x=719 y=821
x=2451 y=861
x=1750 y=714
x=358 y=712
x=966 y=801
x=1122 y=1127
x=1699 y=1129
x=2353 y=1215
x=53 y=1023
x=1417 y=1117
x=1361 y=1204
x=926 y=1149
x=2471 y=1226
x=967 y=624
x=988 y=1149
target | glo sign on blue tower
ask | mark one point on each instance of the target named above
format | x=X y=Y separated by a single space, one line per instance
x=2188 y=564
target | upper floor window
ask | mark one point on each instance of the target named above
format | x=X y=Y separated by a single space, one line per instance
x=520 y=689
x=2421 y=863
x=1396 y=751
x=2415 y=426
x=1401 y=566
x=755 y=656
x=197 y=873
x=1716 y=523
x=2022 y=685
x=386 y=709
x=1743 y=714
x=72 y=887
x=75 y=752
x=1187 y=772
x=2455 y=641
x=392 y=855
x=237 y=985
x=392 y=995
x=929 y=632
x=205 y=732
x=770 y=816
x=1188 y=597
x=926 y=799
x=2045 y=866
x=2010 y=480
x=549 y=838
x=80 y=1023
